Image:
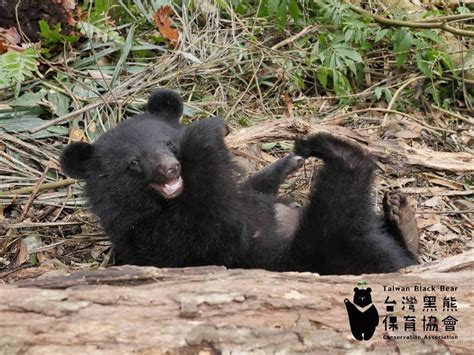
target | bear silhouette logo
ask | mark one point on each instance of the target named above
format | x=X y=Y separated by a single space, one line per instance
x=363 y=316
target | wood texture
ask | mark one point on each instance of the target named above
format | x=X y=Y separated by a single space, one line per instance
x=127 y=309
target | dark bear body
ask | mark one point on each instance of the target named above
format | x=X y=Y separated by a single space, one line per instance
x=168 y=195
x=363 y=323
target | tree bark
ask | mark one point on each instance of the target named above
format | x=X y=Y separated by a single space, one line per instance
x=128 y=309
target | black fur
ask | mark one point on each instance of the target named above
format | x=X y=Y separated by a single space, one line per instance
x=132 y=173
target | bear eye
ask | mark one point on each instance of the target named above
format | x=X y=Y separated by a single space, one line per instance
x=134 y=164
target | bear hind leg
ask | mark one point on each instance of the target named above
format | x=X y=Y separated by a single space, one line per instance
x=340 y=212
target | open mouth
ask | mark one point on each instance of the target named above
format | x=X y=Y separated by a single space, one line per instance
x=171 y=189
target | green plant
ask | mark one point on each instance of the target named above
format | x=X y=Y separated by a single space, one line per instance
x=51 y=36
x=15 y=67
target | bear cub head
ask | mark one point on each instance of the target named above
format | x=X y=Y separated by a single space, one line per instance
x=140 y=155
x=362 y=297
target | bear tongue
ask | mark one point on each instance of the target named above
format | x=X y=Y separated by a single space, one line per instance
x=171 y=189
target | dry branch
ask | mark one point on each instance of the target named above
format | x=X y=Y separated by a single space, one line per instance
x=399 y=158
x=147 y=310
x=413 y=24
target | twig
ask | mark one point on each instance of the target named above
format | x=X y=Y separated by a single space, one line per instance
x=448 y=18
x=32 y=197
x=454 y=114
x=445 y=212
x=379 y=109
x=47 y=186
x=395 y=96
x=35 y=225
x=66 y=117
x=307 y=30
x=411 y=24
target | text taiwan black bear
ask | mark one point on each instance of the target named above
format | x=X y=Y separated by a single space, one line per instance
x=363 y=321
x=168 y=195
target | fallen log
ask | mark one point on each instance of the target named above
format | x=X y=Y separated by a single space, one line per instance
x=209 y=310
x=398 y=158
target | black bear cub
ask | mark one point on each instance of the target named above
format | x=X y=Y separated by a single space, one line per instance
x=363 y=320
x=168 y=195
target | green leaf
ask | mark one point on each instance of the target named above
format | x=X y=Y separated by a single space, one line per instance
x=269 y=146
x=349 y=35
x=388 y=94
x=322 y=75
x=15 y=67
x=59 y=103
x=23 y=124
x=378 y=92
x=351 y=54
x=381 y=34
x=422 y=64
x=294 y=10
x=29 y=99
x=431 y=35
x=403 y=41
x=341 y=84
x=101 y=7
x=273 y=6
x=282 y=14
x=54 y=36
x=446 y=60
x=123 y=57
x=51 y=35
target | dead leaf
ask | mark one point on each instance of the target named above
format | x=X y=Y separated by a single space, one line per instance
x=426 y=220
x=267 y=157
x=50 y=164
x=68 y=5
x=22 y=253
x=288 y=105
x=464 y=204
x=92 y=127
x=9 y=39
x=98 y=74
x=163 y=22
x=433 y=202
x=77 y=135
x=447 y=237
x=451 y=184
x=405 y=134
x=10 y=35
x=438 y=227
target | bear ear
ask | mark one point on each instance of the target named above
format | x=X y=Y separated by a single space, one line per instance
x=356 y=289
x=369 y=289
x=76 y=158
x=166 y=105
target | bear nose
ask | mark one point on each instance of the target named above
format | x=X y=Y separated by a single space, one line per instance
x=174 y=170
x=170 y=168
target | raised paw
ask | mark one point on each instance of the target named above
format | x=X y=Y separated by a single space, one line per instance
x=330 y=147
x=219 y=124
x=293 y=163
x=400 y=212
